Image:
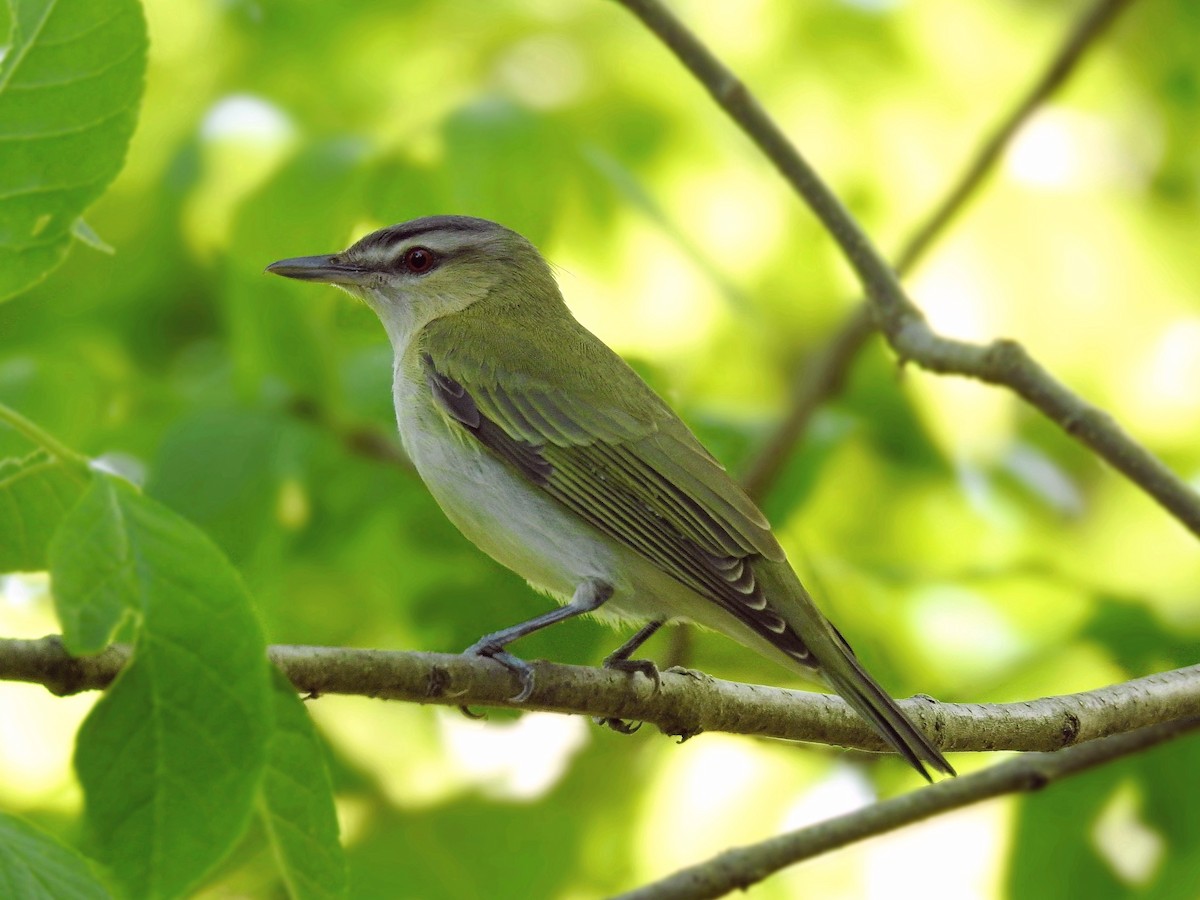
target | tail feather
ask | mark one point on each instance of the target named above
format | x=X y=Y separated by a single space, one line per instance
x=871 y=702
x=830 y=654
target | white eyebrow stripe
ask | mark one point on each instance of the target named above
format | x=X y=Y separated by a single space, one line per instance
x=445 y=237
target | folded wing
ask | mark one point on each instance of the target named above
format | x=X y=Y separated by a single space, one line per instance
x=631 y=470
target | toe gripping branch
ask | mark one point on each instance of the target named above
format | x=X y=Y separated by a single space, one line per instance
x=589 y=596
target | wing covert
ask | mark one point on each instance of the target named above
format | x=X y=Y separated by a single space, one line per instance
x=634 y=481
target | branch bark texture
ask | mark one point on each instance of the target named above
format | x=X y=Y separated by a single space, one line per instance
x=687 y=704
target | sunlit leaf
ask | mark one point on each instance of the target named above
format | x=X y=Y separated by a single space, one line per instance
x=171 y=756
x=70 y=84
x=35 y=492
x=1053 y=854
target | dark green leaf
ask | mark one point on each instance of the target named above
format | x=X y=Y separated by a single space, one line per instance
x=1138 y=640
x=1170 y=782
x=1053 y=854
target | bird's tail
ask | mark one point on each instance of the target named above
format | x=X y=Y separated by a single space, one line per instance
x=846 y=675
x=830 y=654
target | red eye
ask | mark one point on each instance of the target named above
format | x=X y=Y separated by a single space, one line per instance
x=418 y=260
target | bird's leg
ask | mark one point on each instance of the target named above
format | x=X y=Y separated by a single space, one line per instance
x=589 y=596
x=619 y=660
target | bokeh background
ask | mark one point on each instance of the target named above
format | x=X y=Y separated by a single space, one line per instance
x=966 y=547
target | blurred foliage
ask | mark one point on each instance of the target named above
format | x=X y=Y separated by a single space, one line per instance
x=967 y=548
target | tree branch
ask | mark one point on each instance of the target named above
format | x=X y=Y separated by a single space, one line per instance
x=687 y=704
x=825 y=373
x=1002 y=362
x=1083 y=34
x=740 y=867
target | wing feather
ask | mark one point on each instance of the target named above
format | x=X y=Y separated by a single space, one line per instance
x=674 y=474
x=628 y=480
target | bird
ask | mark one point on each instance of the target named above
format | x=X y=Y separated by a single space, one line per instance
x=554 y=457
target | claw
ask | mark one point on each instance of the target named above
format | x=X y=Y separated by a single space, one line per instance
x=523 y=670
x=645 y=666
x=618 y=725
x=632 y=666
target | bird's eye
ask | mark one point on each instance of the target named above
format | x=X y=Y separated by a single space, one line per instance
x=418 y=260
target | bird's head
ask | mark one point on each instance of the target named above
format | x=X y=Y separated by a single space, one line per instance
x=417 y=271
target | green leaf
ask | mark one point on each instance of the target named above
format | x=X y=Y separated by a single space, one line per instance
x=33 y=865
x=91 y=569
x=70 y=85
x=296 y=802
x=35 y=492
x=1052 y=851
x=1170 y=780
x=1055 y=852
x=1139 y=641
x=171 y=757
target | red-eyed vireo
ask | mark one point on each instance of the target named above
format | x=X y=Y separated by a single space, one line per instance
x=550 y=453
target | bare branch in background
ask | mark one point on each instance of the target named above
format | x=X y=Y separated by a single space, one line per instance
x=740 y=867
x=825 y=374
x=1002 y=362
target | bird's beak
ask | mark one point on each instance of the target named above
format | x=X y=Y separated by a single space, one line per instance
x=320 y=268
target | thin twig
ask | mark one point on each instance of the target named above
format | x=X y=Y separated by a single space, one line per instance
x=740 y=867
x=1002 y=362
x=688 y=702
x=825 y=374
x=1083 y=34
x=74 y=464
